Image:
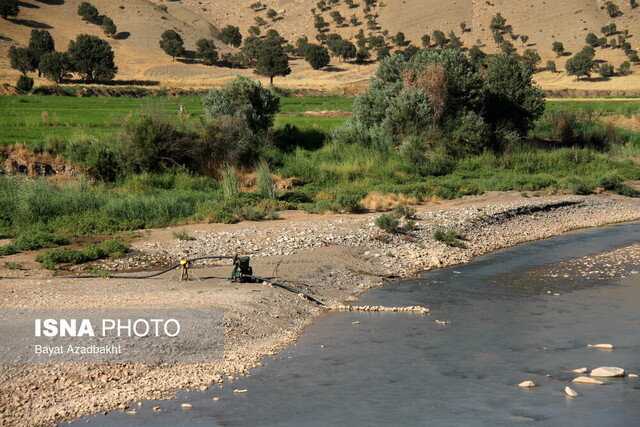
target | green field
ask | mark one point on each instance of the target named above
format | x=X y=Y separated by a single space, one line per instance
x=602 y=107
x=33 y=119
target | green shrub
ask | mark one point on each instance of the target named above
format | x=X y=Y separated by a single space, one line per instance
x=250 y=213
x=230 y=187
x=387 y=222
x=13 y=265
x=402 y=211
x=182 y=235
x=610 y=181
x=266 y=184
x=578 y=186
x=349 y=201
x=111 y=248
x=24 y=84
x=449 y=237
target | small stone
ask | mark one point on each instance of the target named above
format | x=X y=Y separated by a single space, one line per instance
x=633 y=375
x=215 y=399
x=570 y=392
x=240 y=391
x=604 y=346
x=527 y=384
x=587 y=380
x=186 y=406
x=607 y=371
x=580 y=370
x=355 y=323
x=156 y=409
x=132 y=412
x=203 y=388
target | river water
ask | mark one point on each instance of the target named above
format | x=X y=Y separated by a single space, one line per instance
x=404 y=368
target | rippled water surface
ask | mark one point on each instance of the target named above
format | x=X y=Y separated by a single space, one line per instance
x=403 y=368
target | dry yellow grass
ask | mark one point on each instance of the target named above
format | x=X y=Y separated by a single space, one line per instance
x=378 y=202
x=139 y=57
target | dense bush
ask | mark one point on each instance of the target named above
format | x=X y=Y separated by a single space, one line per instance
x=111 y=248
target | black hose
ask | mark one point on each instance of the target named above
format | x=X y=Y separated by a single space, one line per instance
x=287 y=287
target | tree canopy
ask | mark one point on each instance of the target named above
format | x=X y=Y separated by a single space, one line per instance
x=92 y=57
x=207 y=51
x=317 y=56
x=171 y=42
x=231 y=35
x=9 y=8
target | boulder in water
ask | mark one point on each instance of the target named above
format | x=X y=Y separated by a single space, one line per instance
x=607 y=371
x=570 y=392
x=587 y=380
x=527 y=384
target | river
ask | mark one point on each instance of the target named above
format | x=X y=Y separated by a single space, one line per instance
x=510 y=322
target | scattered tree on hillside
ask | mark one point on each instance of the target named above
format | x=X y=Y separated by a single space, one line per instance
x=399 y=39
x=352 y=5
x=508 y=48
x=317 y=56
x=633 y=4
x=171 y=42
x=439 y=38
x=581 y=64
x=55 y=65
x=463 y=27
x=524 y=39
x=88 y=12
x=337 y=17
x=624 y=69
x=272 y=14
x=498 y=23
x=592 y=40
x=477 y=56
x=362 y=56
x=609 y=30
x=426 y=40
x=454 y=41
x=382 y=53
x=260 y=21
x=301 y=45
x=612 y=9
x=254 y=30
x=9 y=8
x=21 y=60
x=531 y=58
x=206 y=50
x=551 y=66
x=92 y=57
x=230 y=35
x=40 y=44
x=257 y=6
x=354 y=20
x=319 y=23
x=245 y=98
x=272 y=60
x=606 y=70
x=109 y=27
x=558 y=48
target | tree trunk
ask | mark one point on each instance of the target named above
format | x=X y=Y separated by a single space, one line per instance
x=271 y=81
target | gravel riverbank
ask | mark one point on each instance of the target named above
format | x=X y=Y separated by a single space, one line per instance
x=335 y=258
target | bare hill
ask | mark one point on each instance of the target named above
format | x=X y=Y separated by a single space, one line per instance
x=141 y=22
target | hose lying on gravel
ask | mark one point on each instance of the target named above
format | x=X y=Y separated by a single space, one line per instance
x=412 y=308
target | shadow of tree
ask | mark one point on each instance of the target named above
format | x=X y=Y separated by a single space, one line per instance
x=122 y=35
x=31 y=23
x=28 y=5
x=52 y=2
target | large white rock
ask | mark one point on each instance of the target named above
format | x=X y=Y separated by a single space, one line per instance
x=186 y=406
x=570 y=392
x=527 y=384
x=607 y=371
x=580 y=370
x=633 y=375
x=587 y=380
x=604 y=346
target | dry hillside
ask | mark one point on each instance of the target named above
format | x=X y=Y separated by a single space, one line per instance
x=140 y=23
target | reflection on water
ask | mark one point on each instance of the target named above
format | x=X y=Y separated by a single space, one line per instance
x=403 y=368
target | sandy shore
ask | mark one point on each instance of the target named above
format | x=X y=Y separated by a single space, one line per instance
x=334 y=257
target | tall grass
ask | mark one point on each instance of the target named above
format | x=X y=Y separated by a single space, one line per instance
x=266 y=184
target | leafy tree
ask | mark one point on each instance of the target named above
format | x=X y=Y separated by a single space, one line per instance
x=454 y=41
x=510 y=96
x=362 y=55
x=524 y=39
x=317 y=56
x=171 y=42
x=581 y=64
x=439 y=38
x=463 y=27
x=352 y=5
x=109 y=27
x=319 y=23
x=592 y=40
x=301 y=45
x=254 y=30
x=399 y=38
x=259 y=21
x=230 y=35
x=354 y=20
x=9 y=8
x=624 y=69
x=498 y=23
x=633 y=4
x=426 y=40
x=531 y=58
x=558 y=48
x=40 y=44
x=507 y=48
x=383 y=52
x=609 y=30
x=612 y=9
x=272 y=60
x=551 y=66
x=271 y=14
x=24 y=84
x=345 y=50
x=337 y=17
x=21 y=60
x=477 y=56
x=92 y=57
x=55 y=65
x=246 y=98
x=88 y=12
x=606 y=70
x=206 y=50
